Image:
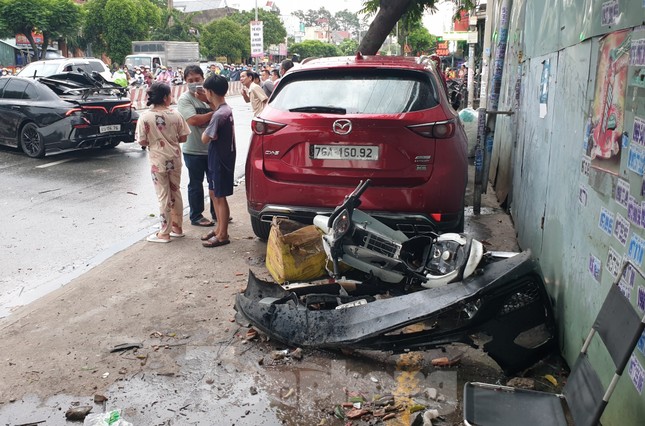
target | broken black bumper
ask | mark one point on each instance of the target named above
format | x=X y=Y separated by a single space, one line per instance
x=506 y=303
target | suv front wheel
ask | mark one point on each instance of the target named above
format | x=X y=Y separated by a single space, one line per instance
x=260 y=229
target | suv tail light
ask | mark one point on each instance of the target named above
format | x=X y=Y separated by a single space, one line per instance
x=437 y=130
x=265 y=127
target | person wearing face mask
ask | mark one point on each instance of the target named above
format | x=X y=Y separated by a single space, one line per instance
x=194 y=107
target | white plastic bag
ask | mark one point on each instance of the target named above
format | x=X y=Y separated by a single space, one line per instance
x=111 y=418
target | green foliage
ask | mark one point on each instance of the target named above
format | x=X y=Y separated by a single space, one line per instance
x=421 y=41
x=112 y=25
x=343 y=20
x=52 y=18
x=314 y=48
x=348 y=47
x=311 y=17
x=274 y=31
x=225 y=37
x=175 y=25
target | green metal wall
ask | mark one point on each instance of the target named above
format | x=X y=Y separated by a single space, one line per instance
x=540 y=165
x=7 y=55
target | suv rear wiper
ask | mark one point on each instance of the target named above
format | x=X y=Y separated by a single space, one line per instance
x=323 y=109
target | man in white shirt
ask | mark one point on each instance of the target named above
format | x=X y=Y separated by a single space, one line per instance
x=252 y=92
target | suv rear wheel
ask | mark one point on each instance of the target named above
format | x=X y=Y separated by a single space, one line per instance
x=260 y=229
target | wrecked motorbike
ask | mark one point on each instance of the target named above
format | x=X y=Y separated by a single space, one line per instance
x=417 y=293
x=358 y=240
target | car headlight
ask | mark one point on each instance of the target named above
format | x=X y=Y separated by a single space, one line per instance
x=341 y=224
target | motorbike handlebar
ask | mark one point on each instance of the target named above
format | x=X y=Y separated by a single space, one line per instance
x=352 y=201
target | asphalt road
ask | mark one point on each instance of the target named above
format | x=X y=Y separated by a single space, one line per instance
x=65 y=213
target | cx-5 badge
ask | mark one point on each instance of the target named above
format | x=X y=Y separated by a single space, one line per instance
x=342 y=127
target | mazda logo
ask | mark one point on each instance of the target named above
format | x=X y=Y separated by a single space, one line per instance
x=342 y=127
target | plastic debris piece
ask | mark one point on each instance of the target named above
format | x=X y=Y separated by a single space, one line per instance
x=374 y=379
x=417 y=407
x=339 y=413
x=105 y=375
x=551 y=379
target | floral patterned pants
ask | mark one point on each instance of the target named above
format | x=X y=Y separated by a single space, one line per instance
x=171 y=205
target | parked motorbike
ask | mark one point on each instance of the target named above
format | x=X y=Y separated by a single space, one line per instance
x=413 y=294
x=457 y=92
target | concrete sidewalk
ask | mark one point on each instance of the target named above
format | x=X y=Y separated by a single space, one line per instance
x=187 y=361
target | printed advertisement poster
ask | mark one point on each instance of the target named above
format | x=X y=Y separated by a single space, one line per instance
x=607 y=113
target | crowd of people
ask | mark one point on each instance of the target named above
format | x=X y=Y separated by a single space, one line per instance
x=143 y=76
x=200 y=133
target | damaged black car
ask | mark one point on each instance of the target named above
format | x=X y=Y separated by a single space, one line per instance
x=63 y=112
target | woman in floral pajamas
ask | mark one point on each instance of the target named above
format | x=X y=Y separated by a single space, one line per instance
x=162 y=129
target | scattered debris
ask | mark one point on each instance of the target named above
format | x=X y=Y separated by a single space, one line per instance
x=112 y=418
x=98 y=398
x=296 y=354
x=431 y=393
x=290 y=392
x=551 y=379
x=253 y=390
x=446 y=362
x=356 y=413
x=105 y=375
x=278 y=355
x=522 y=383
x=78 y=413
x=251 y=334
x=374 y=379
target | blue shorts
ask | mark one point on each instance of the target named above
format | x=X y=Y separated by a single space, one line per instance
x=220 y=180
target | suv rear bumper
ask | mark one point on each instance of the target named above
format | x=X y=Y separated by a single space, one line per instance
x=408 y=223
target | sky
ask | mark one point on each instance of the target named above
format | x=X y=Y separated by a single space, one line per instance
x=288 y=6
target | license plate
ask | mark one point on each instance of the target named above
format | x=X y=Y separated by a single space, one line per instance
x=344 y=152
x=110 y=128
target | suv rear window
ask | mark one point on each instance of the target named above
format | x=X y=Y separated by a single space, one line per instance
x=356 y=91
x=97 y=66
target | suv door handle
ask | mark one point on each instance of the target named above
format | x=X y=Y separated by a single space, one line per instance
x=15 y=107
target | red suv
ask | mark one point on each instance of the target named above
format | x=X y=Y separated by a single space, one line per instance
x=332 y=122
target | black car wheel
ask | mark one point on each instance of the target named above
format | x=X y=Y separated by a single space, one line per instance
x=31 y=141
x=260 y=229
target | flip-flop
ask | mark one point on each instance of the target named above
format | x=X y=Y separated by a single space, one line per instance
x=208 y=236
x=155 y=239
x=203 y=222
x=176 y=235
x=215 y=242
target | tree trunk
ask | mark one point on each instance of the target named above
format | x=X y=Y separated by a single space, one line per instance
x=32 y=43
x=43 y=51
x=388 y=15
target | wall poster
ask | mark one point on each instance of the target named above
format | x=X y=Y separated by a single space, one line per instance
x=607 y=110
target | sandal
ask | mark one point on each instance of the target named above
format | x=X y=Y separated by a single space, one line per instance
x=208 y=236
x=203 y=222
x=215 y=242
x=154 y=238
